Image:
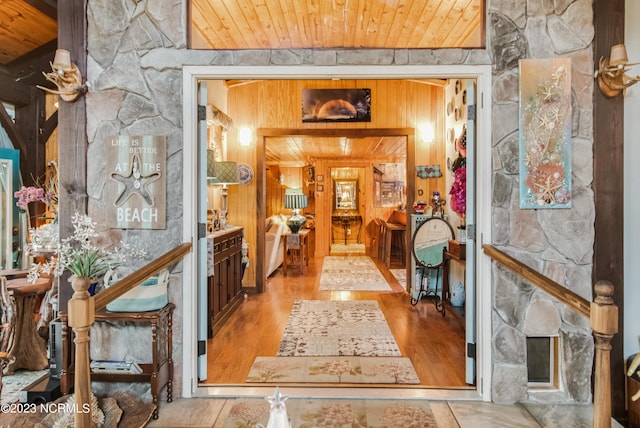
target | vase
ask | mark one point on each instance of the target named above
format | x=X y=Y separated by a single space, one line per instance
x=81 y=285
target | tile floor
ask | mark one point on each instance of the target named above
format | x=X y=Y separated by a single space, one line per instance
x=213 y=413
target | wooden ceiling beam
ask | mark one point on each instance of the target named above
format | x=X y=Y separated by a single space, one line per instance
x=28 y=68
x=48 y=7
x=11 y=92
x=49 y=126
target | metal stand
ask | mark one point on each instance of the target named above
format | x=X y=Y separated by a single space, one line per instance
x=426 y=292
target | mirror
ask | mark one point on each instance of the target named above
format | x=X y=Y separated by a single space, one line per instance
x=429 y=240
x=346 y=195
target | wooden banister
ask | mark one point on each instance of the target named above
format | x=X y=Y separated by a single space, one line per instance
x=568 y=297
x=129 y=282
x=82 y=308
x=603 y=317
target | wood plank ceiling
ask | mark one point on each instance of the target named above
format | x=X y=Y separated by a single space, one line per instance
x=289 y=24
x=302 y=150
x=28 y=39
x=24 y=28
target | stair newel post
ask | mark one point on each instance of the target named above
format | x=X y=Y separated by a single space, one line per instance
x=604 y=323
x=81 y=309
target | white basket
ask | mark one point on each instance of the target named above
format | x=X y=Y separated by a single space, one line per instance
x=149 y=295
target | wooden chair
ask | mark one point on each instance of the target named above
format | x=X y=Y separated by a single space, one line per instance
x=375 y=238
x=393 y=238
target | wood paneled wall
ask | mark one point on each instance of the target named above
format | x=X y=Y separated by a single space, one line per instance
x=278 y=104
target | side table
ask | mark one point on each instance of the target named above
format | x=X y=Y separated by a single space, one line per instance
x=159 y=372
x=28 y=349
x=302 y=247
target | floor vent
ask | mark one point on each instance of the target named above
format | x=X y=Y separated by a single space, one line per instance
x=542 y=362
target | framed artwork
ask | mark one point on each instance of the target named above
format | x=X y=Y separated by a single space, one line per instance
x=545 y=133
x=320 y=188
x=320 y=178
x=135 y=183
x=389 y=184
x=336 y=105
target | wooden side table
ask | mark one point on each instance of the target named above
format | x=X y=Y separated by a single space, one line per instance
x=303 y=249
x=27 y=348
x=447 y=256
x=158 y=372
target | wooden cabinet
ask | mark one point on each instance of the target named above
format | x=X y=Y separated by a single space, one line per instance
x=225 y=285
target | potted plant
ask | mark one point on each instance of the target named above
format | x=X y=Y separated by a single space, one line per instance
x=80 y=256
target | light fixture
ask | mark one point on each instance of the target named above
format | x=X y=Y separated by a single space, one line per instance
x=245 y=136
x=221 y=173
x=65 y=76
x=427 y=133
x=611 y=73
x=295 y=201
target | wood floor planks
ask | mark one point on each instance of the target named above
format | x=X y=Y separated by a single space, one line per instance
x=434 y=344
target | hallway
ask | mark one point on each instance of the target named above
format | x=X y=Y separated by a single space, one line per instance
x=435 y=345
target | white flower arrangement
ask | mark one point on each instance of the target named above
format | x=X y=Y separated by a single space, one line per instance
x=77 y=253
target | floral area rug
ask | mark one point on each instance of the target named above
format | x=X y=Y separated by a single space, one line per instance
x=309 y=413
x=333 y=370
x=353 y=273
x=337 y=328
x=401 y=276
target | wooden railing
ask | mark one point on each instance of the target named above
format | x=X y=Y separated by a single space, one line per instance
x=82 y=308
x=603 y=316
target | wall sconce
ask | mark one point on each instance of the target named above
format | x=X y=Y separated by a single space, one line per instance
x=427 y=133
x=611 y=74
x=65 y=76
x=245 y=135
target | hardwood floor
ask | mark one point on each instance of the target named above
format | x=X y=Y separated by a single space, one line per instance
x=434 y=344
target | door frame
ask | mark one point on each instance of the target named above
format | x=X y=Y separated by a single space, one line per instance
x=483 y=76
x=263 y=134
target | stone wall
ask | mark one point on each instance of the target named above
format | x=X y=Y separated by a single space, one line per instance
x=136 y=52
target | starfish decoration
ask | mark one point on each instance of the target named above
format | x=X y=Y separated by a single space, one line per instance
x=547 y=191
x=555 y=114
x=278 y=417
x=135 y=182
x=276 y=400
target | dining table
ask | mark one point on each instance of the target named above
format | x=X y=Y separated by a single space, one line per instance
x=27 y=349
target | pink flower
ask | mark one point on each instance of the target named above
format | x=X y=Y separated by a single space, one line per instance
x=458 y=192
x=26 y=195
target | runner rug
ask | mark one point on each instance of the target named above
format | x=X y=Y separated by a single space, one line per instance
x=352 y=273
x=337 y=328
x=341 y=413
x=333 y=370
x=401 y=276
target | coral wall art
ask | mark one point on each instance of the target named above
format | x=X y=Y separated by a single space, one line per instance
x=545 y=133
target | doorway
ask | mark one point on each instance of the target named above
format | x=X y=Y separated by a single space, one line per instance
x=348 y=209
x=192 y=74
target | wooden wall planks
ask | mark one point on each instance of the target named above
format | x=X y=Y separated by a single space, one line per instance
x=278 y=104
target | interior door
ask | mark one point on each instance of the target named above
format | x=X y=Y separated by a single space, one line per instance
x=470 y=279
x=202 y=234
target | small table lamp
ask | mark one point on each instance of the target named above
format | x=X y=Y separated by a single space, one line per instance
x=221 y=173
x=295 y=202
